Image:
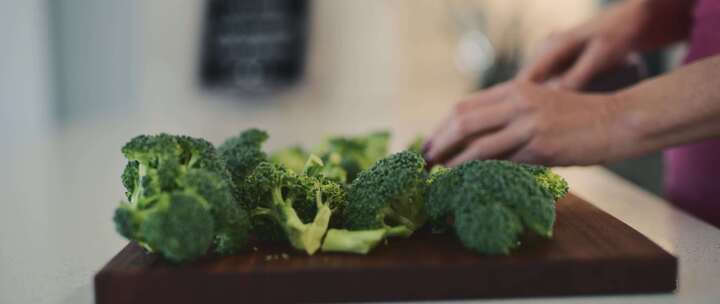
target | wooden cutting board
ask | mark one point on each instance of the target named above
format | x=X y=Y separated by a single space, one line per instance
x=591 y=253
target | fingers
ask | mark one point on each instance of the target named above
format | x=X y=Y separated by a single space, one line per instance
x=560 y=50
x=488 y=96
x=592 y=61
x=494 y=144
x=478 y=120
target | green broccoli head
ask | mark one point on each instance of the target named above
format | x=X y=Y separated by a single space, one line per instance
x=416 y=145
x=149 y=150
x=390 y=193
x=150 y=157
x=164 y=170
x=488 y=228
x=292 y=158
x=504 y=182
x=201 y=154
x=156 y=161
x=437 y=210
x=179 y=226
x=549 y=180
x=176 y=225
x=354 y=154
x=130 y=178
x=376 y=146
x=232 y=223
x=315 y=166
x=243 y=152
x=127 y=220
x=436 y=172
x=310 y=193
x=299 y=205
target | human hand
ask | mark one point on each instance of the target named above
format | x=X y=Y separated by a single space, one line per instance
x=529 y=123
x=573 y=57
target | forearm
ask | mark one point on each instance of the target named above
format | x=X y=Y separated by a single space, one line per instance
x=680 y=107
x=661 y=22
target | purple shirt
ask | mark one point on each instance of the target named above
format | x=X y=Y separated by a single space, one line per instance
x=692 y=172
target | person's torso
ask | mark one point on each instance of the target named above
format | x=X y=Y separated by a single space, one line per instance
x=692 y=172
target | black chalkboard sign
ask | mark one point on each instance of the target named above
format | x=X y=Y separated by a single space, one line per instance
x=254 y=46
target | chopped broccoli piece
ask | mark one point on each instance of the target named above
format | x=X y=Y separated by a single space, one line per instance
x=286 y=198
x=292 y=158
x=232 y=223
x=177 y=225
x=485 y=183
x=488 y=228
x=435 y=172
x=360 y=241
x=416 y=145
x=242 y=153
x=388 y=196
x=315 y=166
x=549 y=180
x=130 y=178
x=171 y=180
x=354 y=154
x=437 y=212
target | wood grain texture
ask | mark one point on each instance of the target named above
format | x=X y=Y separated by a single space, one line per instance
x=591 y=253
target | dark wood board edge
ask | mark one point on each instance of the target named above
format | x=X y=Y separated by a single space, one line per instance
x=639 y=276
x=127 y=278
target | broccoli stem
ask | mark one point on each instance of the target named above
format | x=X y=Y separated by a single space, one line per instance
x=399 y=231
x=142 y=171
x=397 y=218
x=360 y=241
x=307 y=237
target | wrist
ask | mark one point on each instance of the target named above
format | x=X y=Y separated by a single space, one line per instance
x=626 y=126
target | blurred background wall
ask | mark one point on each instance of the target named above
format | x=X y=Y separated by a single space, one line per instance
x=123 y=67
x=137 y=61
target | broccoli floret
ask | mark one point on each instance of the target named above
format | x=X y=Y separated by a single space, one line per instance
x=232 y=223
x=388 y=196
x=416 y=145
x=436 y=172
x=200 y=153
x=164 y=169
x=491 y=182
x=130 y=178
x=177 y=225
x=488 y=228
x=376 y=147
x=151 y=150
x=354 y=154
x=156 y=161
x=292 y=158
x=282 y=196
x=127 y=223
x=315 y=166
x=330 y=185
x=510 y=184
x=243 y=152
x=549 y=180
x=155 y=155
x=437 y=212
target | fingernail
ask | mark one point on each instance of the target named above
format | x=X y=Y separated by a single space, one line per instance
x=426 y=147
